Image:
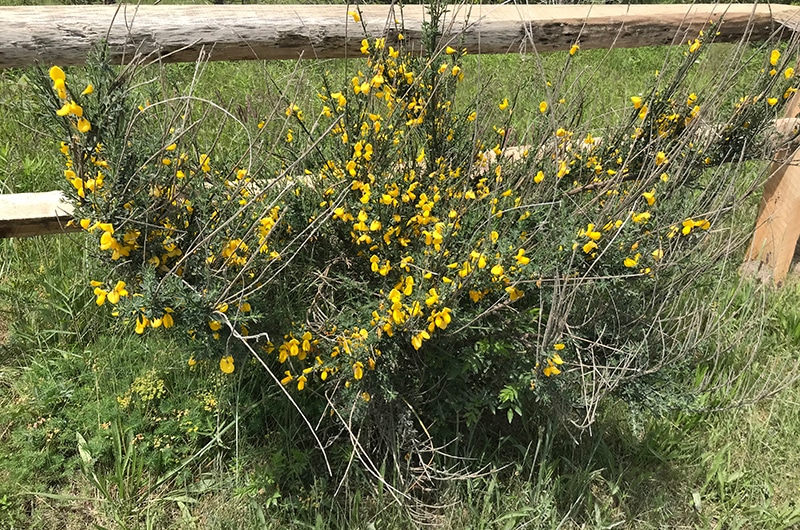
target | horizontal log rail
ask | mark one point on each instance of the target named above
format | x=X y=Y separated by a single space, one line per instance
x=33 y=214
x=64 y=35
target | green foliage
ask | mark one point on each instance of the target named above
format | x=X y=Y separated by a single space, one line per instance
x=235 y=247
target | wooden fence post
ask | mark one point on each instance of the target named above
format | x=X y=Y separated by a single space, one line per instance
x=778 y=224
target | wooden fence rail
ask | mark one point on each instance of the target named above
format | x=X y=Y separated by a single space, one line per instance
x=65 y=35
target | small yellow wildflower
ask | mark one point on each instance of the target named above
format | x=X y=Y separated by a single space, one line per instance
x=774 y=57
x=141 y=323
x=513 y=293
x=83 y=125
x=226 y=364
x=632 y=262
x=56 y=73
x=355 y=15
x=504 y=104
x=167 y=319
x=551 y=369
x=543 y=107
x=118 y=291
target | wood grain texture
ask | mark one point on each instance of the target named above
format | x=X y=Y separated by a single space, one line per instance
x=33 y=214
x=777 y=230
x=65 y=34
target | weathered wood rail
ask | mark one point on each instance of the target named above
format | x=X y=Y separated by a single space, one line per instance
x=65 y=35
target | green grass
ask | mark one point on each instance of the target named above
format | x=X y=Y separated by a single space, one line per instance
x=65 y=366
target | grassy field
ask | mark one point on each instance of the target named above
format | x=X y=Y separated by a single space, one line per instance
x=99 y=426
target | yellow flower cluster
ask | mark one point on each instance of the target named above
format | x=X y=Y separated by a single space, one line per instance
x=70 y=108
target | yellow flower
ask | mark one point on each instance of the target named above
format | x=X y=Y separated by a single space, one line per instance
x=288 y=379
x=57 y=73
x=205 y=162
x=539 y=177
x=101 y=295
x=694 y=45
x=358 y=370
x=504 y=104
x=450 y=51
x=118 y=291
x=589 y=246
x=774 y=57
x=191 y=362
x=632 y=262
x=141 y=323
x=574 y=49
x=215 y=325
x=788 y=73
x=88 y=90
x=543 y=107
x=558 y=347
x=658 y=254
x=513 y=293
x=84 y=125
x=637 y=102
x=661 y=158
x=650 y=196
x=772 y=101
x=551 y=369
x=226 y=364
x=355 y=15
x=521 y=258
x=167 y=319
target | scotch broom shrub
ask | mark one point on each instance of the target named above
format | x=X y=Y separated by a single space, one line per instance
x=388 y=260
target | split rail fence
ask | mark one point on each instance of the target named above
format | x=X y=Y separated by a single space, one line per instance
x=64 y=35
